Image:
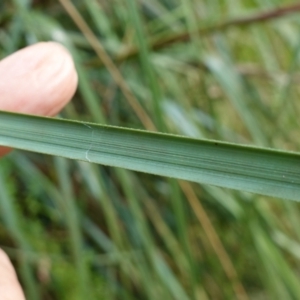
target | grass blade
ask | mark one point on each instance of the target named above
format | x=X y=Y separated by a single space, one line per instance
x=258 y=170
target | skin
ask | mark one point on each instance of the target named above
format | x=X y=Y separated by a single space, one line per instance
x=41 y=80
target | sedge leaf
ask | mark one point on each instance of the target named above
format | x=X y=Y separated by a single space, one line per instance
x=258 y=170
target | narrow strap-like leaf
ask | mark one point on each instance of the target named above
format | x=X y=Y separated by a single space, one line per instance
x=263 y=171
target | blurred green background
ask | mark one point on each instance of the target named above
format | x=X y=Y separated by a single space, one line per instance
x=226 y=70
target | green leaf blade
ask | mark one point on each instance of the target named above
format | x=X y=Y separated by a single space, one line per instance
x=258 y=170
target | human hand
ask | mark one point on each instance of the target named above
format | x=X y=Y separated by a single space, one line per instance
x=40 y=80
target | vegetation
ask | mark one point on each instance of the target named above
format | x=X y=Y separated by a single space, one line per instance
x=222 y=70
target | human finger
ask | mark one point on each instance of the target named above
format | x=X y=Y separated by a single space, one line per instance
x=39 y=79
x=10 y=288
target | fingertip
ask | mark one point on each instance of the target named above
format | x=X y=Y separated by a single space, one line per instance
x=57 y=76
x=40 y=79
x=10 y=288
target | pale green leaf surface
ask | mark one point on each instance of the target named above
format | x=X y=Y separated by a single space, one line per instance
x=258 y=170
